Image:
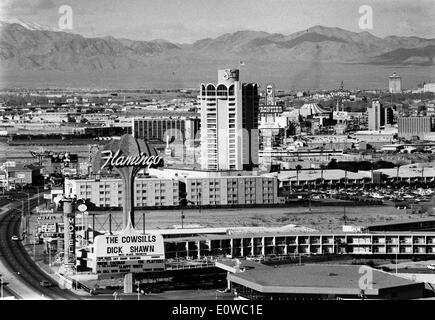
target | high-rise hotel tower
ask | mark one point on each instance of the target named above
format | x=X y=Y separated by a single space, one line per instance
x=395 y=83
x=229 y=123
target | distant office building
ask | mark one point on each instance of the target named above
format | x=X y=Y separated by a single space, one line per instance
x=415 y=126
x=156 y=129
x=374 y=115
x=429 y=87
x=378 y=116
x=389 y=115
x=23 y=174
x=250 y=106
x=229 y=123
x=395 y=83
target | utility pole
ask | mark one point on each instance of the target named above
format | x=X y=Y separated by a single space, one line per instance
x=309 y=199
x=93 y=227
x=344 y=214
x=26 y=217
x=49 y=254
x=22 y=216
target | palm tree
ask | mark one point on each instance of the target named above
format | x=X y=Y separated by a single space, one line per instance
x=298 y=168
x=183 y=203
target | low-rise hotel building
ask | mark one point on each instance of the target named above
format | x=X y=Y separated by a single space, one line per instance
x=231 y=190
x=164 y=192
x=108 y=192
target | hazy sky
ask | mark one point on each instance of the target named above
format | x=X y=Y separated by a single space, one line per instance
x=186 y=21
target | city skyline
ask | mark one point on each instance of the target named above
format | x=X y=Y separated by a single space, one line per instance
x=217 y=150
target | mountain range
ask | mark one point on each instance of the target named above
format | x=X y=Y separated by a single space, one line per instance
x=25 y=46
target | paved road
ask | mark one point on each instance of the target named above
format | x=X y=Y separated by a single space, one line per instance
x=16 y=259
x=7 y=292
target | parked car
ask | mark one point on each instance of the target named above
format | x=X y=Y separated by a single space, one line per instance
x=386 y=269
x=15 y=238
x=46 y=284
x=431 y=266
x=156 y=290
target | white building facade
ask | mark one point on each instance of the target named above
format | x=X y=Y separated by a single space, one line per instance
x=108 y=192
x=229 y=123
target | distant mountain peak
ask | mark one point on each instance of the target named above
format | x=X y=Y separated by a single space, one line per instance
x=29 y=25
x=74 y=52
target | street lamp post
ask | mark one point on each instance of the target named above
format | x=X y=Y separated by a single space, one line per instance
x=28 y=212
x=22 y=214
x=37 y=188
x=86 y=214
x=397 y=250
x=138 y=290
x=22 y=217
x=49 y=254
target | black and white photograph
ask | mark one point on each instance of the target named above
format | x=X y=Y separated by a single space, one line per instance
x=217 y=155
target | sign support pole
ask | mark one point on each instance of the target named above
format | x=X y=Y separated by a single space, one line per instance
x=110 y=223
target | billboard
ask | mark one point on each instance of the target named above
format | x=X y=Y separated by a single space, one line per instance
x=340 y=115
x=129 y=243
x=270 y=109
x=53 y=235
x=129 y=252
x=70 y=236
x=49 y=228
x=270 y=95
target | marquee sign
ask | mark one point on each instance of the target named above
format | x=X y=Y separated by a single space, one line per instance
x=270 y=95
x=71 y=243
x=129 y=252
x=146 y=246
x=49 y=228
x=270 y=109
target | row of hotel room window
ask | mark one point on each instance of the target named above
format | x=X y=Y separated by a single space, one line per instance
x=157 y=185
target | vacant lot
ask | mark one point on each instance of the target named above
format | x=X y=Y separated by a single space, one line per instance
x=320 y=218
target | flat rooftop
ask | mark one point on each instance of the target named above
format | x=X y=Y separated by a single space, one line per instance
x=210 y=236
x=319 y=279
x=420 y=222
